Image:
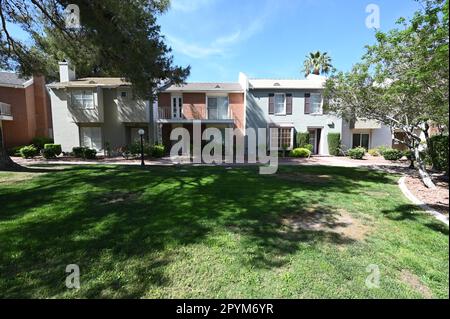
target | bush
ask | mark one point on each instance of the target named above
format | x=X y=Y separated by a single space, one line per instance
x=438 y=152
x=158 y=150
x=392 y=154
x=357 y=152
x=90 y=153
x=334 y=141
x=28 y=151
x=309 y=147
x=78 y=151
x=373 y=152
x=48 y=153
x=300 y=152
x=382 y=148
x=40 y=141
x=55 y=147
x=408 y=154
x=302 y=139
x=15 y=151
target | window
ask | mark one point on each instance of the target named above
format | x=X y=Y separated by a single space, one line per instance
x=218 y=108
x=280 y=105
x=91 y=137
x=82 y=99
x=123 y=94
x=316 y=103
x=361 y=140
x=285 y=137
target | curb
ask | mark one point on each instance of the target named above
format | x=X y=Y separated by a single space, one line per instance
x=418 y=202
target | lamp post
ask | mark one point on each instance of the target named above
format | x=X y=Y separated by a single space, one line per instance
x=141 y=133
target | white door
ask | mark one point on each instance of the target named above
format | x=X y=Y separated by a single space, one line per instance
x=313 y=139
x=177 y=107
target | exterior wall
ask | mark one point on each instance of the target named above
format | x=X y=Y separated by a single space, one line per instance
x=164 y=99
x=194 y=106
x=377 y=137
x=30 y=111
x=65 y=130
x=113 y=130
x=130 y=110
x=258 y=115
x=236 y=104
x=93 y=115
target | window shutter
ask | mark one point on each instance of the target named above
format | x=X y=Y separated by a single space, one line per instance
x=271 y=103
x=289 y=104
x=307 y=103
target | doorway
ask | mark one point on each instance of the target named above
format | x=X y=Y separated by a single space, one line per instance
x=314 y=139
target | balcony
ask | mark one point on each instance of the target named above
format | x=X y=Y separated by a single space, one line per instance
x=165 y=115
x=5 y=112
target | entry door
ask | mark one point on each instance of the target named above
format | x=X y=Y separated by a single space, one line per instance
x=177 y=107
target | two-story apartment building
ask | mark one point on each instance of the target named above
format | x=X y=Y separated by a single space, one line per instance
x=95 y=112
x=24 y=109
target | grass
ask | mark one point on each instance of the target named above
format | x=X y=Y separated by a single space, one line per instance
x=307 y=232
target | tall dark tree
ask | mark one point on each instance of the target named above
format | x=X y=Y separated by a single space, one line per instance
x=114 y=38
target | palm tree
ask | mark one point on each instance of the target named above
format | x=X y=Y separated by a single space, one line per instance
x=317 y=63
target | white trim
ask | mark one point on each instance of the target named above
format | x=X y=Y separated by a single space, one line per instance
x=180 y=109
x=274 y=104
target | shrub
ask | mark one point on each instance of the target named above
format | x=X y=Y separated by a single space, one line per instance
x=55 y=147
x=438 y=152
x=373 y=152
x=135 y=148
x=357 y=152
x=90 y=153
x=158 y=150
x=302 y=139
x=29 y=151
x=334 y=141
x=408 y=154
x=300 y=152
x=382 y=148
x=309 y=147
x=15 y=151
x=40 y=141
x=392 y=154
x=48 y=153
x=78 y=151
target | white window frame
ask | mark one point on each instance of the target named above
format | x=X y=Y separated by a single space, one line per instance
x=216 y=96
x=361 y=137
x=81 y=128
x=291 y=146
x=179 y=98
x=84 y=93
x=320 y=112
x=275 y=104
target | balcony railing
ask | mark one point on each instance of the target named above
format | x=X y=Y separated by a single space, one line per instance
x=5 y=109
x=164 y=113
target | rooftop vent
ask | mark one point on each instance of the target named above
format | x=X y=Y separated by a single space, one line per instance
x=276 y=84
x=92 y=82
x=217 y=86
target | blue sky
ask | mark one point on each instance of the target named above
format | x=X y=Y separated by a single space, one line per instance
x=270 y=38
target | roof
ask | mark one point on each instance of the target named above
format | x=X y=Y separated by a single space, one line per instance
x=312 y=81
x=204 y=87
x=11 y=79
x=91 y=82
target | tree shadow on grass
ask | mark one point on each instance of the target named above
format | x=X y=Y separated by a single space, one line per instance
x=106 y=218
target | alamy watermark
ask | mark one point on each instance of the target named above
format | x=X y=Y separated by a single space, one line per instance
x=373 y=280
x=72 y=16
x=73 y=279
x=226 y=146
x=373 y=19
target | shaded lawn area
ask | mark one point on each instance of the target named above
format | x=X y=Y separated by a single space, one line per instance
x=212 y=232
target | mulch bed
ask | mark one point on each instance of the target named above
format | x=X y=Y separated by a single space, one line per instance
x=436 y=198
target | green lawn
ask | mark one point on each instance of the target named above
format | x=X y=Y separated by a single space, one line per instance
x=168 y=232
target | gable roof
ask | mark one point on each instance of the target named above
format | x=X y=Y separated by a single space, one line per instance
x=91 y=82
x=11 y=79
x=204 y=87
x=285 y=84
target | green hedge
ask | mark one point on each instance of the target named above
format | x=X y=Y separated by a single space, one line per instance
x=438 y=152
x=158 y=150
x=357 y=152
x=334 y=142
x=84 y=152
x=28 y=151
x=300 y=152
x=56 y=148
x=392 y=154
x=302 y=139
x=40 y=141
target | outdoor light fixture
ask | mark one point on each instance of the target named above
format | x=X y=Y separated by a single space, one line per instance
x=141 y=133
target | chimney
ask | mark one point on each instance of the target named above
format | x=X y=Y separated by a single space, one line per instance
x=65 y=72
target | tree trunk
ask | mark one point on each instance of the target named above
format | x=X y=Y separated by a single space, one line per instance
x=426 y=179
x=6 y=163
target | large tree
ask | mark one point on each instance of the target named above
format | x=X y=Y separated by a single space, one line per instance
x=114 y=38
x=402 y=80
